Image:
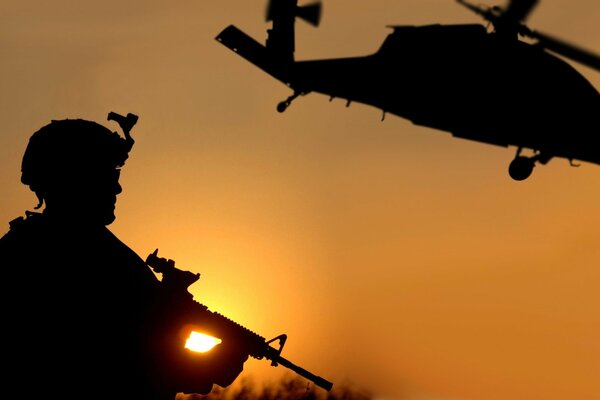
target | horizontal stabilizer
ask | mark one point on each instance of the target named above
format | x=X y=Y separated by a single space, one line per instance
x=252 y=51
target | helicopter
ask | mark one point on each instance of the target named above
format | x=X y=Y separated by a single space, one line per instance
x=498 y=83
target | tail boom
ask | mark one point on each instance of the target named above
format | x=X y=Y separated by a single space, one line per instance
x=244 y=45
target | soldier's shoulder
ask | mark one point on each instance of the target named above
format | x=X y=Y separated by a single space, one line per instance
x=23 y=224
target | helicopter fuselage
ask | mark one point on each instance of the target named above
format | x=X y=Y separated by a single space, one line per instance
x=484 y=86
x=471 y=83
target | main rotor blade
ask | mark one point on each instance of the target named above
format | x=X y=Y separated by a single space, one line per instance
x=519 y=10
x=566 y=49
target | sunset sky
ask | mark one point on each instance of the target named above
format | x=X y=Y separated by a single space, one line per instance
x=396 y=257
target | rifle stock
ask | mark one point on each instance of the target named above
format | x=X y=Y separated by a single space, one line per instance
x=219 y=326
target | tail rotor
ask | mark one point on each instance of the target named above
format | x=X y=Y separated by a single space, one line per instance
x=283 y=14
x=310 y=13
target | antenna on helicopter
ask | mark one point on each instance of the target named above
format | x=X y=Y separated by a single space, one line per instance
x=509 y=22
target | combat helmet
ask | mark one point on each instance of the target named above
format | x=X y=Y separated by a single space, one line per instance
x=73 y=147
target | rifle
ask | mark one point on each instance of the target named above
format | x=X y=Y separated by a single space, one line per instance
x=212 y=323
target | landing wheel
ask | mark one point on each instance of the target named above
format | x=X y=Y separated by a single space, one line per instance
x=282 y=106
x=521 y=168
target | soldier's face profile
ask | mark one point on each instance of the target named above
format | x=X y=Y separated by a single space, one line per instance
x=88 y=194
x=102 y=189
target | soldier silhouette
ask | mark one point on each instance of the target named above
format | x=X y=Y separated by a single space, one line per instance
x=83 y=316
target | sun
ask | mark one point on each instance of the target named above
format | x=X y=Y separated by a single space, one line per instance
x=200 y=342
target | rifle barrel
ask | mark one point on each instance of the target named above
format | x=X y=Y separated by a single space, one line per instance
x=319 y=381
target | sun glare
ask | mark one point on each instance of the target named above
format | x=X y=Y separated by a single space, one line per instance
x=200 y=342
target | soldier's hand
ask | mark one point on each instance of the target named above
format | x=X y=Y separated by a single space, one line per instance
x=198 y=372
x=229 y=363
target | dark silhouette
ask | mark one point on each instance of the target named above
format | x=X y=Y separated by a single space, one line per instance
x=176 y=282
x=485 y=86
x=287 y=387
x=83 y=316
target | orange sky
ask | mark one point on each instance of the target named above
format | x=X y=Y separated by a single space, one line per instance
x=394 y=256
